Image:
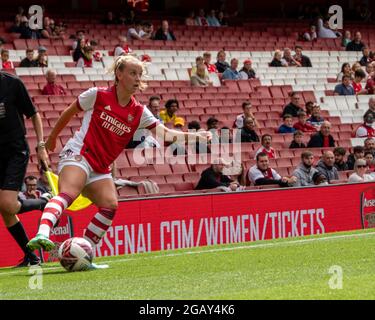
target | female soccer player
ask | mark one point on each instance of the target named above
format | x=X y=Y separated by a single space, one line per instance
x=111 y=117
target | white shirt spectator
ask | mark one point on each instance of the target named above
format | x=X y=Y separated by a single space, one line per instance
x=324 y=32
x=354 y=177
x=254 y=174
x=133 y=34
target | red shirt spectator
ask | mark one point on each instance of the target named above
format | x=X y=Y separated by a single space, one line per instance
x=357 y=87
x=87 y=59
x=51 y=88
x=211 y=68
x=302 y=124
x=266 y=147
x=201 y=19
x=370 y=86
x=5 y=62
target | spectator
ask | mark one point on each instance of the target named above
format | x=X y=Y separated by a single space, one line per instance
x=358 y=153
x=345 y=71
x=213 y=177
x=297 y=141
x=365 y=60
x=136 y=32
x=26 y=32
x=200 y=78
x=294 y=106
x=277 y=60
x=51 y=88
x=198 y=61
x=287 y=126
x=190 y=20
x=110 y=18
x=370 y=145
x=221 y=64
x=148 y=30
x=42 y=59
x=320 y=179
x=246 y=107
x=212 y=123
x=231 y=73
x=359 y=75
x=326 y=166
x=87 y=60
x=48 y=32
x=212 y=20
x=201 y=19
x=122 y=48
x=28 y=61
x=305 y=171
x=78 y=51
x=324 y=30
x=366 y=130
x=5 y=62
x=360 y=174
x=356 y=66
x=316 y=119
x=179 y=124
x=371 y=109
x=345 y=88
x=80 y=35
x=309 y=107
x=31 y=190
x=356 y=44
x=247 y=133
x=42 y=184
x=304 y=61
x=311 y=34
x=261 y=174
x=154 y=105
x=340 y=163
x=302 y=123
x=369 y=157
x=266 y=147
x=247 y=72
x=169 y=114
x=347 y=38
x=164 y=33
x=16 y=27
x=370 y=84
x=211 y=68
x=289 y=59
x=323 y=138
x=222 y=19
x=200 y=147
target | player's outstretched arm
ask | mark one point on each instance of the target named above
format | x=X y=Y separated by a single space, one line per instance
x=38 y=127
x=166 y=134
x=64 y=119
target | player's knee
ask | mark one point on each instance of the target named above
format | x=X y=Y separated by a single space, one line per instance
x=111 y=204
x=9 y=207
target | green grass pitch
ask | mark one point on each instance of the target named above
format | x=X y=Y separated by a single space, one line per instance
x=277 y=269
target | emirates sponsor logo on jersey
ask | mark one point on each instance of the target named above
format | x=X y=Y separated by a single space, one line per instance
x=114 y=125
x=369 y=203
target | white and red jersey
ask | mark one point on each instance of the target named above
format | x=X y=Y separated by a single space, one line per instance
x=271 y=153
x=364 y=131
x=107 y=127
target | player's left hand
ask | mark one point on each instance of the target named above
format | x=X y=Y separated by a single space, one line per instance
x=43 y=156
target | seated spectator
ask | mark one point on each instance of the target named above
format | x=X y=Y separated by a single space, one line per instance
x=190 y=20
x=198 y=61
x=122 y=48
x=247 y=133
x=110 y=18
x=311 y=34
x=42 y=58
x=87 y=60
x=320 y=179
x=222 y=19
x=48 y=32
x=51 y=88
x=289 y=59
x=294 y=106
x=31 y=189
x=370 y=70
x=5 y=62
x=231 y=73
x=360 y=174
x=212 y=20
x=356 y=44
x=26 y=32
x=168 y=115
x=345 y=88
x=369 y=157
x=323 y=138
x=179 y=124
x=370 y=145
x=211 y=68
x=316 y=119
x=365 y=60
x=287 y=126
x=366 y=130
x=261 y=174
x=164 y=33
x=358 y=153
x=302 y=123
x=326 y=166
x=297 y=141
x=340 y=163
x=309 y=107
x=345 y=71
x=246 y=107
x=305 y=171
x=200 y=147
x=136 y=32
x=277 y=60
x=16 y=27
x=370 y=84
x=371 y=109
x=266 y=148
x=247 y=72
x=201 y=19
x=324 y=31
x=148 y=29
x=347 y=38
x=200 y=78
x=221 y=64
x=213 y=177
x=28 y=61
x=304 y=61
x=359 y=75
x=356 y=66
x=78 y=51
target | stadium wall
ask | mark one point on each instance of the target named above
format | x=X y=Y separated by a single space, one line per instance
x=164 y=223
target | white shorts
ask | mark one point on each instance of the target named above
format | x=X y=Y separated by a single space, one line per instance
x=68 y=158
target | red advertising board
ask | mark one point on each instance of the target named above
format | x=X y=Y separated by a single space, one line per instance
x=166 y=223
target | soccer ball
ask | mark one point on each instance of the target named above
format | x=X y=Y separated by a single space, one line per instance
x=75 y=254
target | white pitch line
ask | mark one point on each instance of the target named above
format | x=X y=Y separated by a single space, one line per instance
x=244 y=247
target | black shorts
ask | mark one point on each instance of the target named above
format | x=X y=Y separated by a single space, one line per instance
x=14 y=157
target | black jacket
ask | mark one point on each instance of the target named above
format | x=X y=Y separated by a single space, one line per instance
x=222 y=66
x=275 y=63
x=248 y=136
x=305 y=61
x=159 y=35
x=291 y=109
x=210 y=180
x=353 y=46
x=295 y=145
x=317 y=140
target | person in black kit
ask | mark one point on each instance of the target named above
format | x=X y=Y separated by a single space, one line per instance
x=247 y=133
x=15 y=103
x=294 y=106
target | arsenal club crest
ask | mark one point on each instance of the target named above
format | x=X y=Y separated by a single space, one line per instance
x=368 y=208
x=130 y=118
